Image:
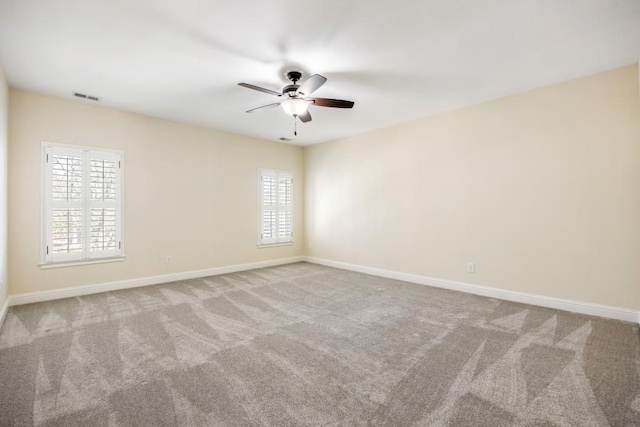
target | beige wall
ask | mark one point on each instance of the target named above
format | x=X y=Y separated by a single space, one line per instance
x=4 y=123
x=190 y=192
x=541 y=190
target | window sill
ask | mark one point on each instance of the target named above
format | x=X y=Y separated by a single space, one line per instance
x=273 y=245
x=84 y=262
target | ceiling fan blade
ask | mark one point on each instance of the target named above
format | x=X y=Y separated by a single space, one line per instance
x=312 y=84
x=335 y=103
x=264 y=107
x=260 y=89
x=306 y=117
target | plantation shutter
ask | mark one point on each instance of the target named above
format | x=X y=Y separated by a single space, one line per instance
x=269 y=209
x=276 y=202
x=65 y=195
x=285 y=229
x=82 y=204
x=104 y=204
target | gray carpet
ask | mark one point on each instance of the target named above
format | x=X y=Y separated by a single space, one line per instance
x=304 y=344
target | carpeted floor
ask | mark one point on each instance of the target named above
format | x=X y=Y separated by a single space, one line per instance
x=304 y=344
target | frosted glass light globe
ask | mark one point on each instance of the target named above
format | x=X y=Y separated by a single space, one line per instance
x=295 y=106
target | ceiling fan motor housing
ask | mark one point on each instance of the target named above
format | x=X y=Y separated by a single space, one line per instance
x=290 y=90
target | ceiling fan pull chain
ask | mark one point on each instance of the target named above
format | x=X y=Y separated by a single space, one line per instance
x=295 y=125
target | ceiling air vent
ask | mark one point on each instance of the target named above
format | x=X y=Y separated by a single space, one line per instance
x=285 y=139
x=84 y=96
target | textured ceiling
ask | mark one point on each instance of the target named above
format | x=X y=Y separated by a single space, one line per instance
x=398 y=60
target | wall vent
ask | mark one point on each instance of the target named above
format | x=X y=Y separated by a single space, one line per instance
x=84 y=96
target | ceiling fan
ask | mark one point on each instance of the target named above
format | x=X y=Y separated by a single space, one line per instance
x=296 y=100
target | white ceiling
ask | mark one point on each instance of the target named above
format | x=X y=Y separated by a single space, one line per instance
x=398 y=60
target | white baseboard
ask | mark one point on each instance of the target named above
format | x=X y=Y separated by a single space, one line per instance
x=3 y=310
x=522 y=297
x=30 y=297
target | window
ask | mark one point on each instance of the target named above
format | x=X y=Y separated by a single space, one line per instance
x=276 y=190
x=82 y=191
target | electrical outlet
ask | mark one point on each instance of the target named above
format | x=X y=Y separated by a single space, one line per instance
x=169 y=259
x=471 y=267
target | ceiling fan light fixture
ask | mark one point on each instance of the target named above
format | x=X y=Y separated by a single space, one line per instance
x=295 y=106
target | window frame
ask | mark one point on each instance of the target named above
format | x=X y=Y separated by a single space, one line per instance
x=278 y=241
x=86 y=256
